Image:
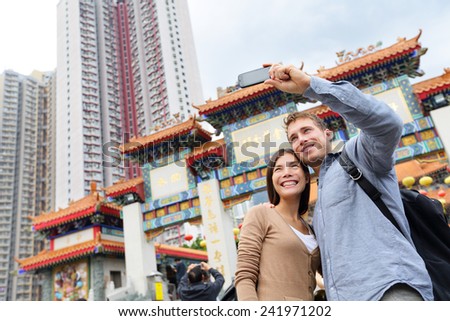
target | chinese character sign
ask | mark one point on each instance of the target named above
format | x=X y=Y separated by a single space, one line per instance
x=218 y=229
x=169 y=180
x=264 y=138
x=395 y=99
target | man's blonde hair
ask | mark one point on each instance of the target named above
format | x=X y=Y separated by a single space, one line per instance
x=292 y=117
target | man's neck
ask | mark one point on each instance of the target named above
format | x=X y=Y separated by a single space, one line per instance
x=317 y=170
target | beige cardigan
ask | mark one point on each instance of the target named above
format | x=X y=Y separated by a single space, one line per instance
x=273 y=263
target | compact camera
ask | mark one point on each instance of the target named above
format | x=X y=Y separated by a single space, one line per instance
x=253 y=77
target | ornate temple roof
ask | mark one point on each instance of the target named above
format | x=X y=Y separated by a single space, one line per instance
x=364 y=64
x=47 y=258
x=322 y=111
x=417 y=168
x=124 y=186
x=167 y=134
x=401 y=48
x=234 y=97
x=431 y=86
x=208 y=148
x=84 y=207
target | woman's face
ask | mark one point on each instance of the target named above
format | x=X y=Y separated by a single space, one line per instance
x=288 y=178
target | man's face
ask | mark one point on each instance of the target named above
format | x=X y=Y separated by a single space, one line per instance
x=310 y=142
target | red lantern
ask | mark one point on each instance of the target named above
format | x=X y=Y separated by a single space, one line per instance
x=423 y=192
x=441 y=193
x=188 y=237
x=240 y=225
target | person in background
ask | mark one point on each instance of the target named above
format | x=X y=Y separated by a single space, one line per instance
x=196 y=284
x=180 y=269
x=278 y=254
x=171 y=274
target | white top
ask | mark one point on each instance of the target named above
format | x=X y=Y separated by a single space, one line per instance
x=308 y=239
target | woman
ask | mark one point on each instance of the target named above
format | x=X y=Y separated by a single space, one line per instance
x=278 y=255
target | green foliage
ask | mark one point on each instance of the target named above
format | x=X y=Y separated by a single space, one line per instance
x=195 y=245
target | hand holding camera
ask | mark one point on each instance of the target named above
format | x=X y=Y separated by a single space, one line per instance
x=205 y=266
x=287 y=78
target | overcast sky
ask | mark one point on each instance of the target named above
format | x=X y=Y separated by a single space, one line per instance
x=235 y=36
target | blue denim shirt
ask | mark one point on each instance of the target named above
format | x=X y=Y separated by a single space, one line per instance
x=363 y=254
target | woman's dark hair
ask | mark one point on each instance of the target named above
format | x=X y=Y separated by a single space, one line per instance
x=274 y=198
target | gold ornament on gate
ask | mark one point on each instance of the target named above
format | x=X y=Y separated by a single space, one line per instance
x=425 y=181
x=408 y=181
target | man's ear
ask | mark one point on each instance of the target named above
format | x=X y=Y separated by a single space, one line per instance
x=329 y=134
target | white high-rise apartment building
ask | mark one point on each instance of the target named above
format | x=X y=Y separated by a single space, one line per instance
x=124 y=67
x=27 y=139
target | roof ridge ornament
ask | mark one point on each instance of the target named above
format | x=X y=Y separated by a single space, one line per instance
x=348 y=56
x=418 y=35
x=171 y=121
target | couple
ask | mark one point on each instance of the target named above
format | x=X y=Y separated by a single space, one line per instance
x=362 y=255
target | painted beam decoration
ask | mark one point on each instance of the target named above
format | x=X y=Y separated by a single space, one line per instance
x=418 y=149
x=171 y=219
x=170 y=200
x=240 y=189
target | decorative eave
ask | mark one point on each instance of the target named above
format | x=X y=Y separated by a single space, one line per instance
x=216 y=148
x=233 y=98
x=244 y=96
x=204 y=159
x=181 y=252
x=417 y=169
x=432 y=86
x=188 y=127
x=47 y=258
x=134 y=185
x=91 y=204
x=323 y=112
x=403 y=48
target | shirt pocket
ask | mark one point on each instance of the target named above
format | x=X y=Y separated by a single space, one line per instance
x=335 y=188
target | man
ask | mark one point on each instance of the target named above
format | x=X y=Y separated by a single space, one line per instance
x=364 y=257
x=196 y=285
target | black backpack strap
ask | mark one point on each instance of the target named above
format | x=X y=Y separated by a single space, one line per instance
x=356 y=175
